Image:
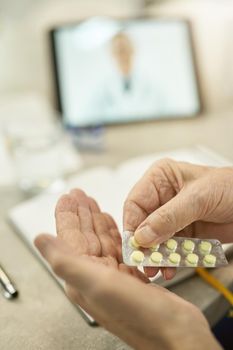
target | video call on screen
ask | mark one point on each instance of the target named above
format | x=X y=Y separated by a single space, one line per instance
x=113 y=71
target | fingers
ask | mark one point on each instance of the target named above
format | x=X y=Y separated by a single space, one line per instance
x=168 y=272
x=151 y=271
x=88 y=277
x=102 y=231
x=135 y=312
x=141 y=201
x=44 y=239
x=105 y=229
x=115 y=235
x=68 y=224
x=81 y=223
x=78 y=272
x=179 y=212
x=84 y=212
x=74 y=223
x=158 y=185
x=94 y=207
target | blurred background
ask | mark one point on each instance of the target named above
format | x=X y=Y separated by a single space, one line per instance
x=24 y=58
x=38 y=153
x=27 y=73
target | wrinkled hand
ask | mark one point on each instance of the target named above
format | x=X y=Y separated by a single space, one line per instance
x=86 y=254
x=89 y=232
x=181 y=198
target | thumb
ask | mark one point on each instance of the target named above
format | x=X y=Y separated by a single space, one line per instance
x=179 y=212
x=78 y=271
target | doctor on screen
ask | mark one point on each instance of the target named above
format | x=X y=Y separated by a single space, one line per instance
x=126 y=92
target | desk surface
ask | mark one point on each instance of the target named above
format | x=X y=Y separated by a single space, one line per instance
x=42 y=318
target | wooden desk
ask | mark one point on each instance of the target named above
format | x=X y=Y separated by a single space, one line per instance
x=42 y=318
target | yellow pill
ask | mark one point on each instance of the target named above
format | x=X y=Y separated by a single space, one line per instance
x=209 y=260
x=137 y=256
x=205 y=247
x=156 y=257
x=133 y=243
x=192 y=259
x=188 y=245
x=171 y=244
x=174 y=258
x=154 y=247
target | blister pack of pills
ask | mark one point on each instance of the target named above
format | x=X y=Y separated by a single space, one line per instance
x=177 y=251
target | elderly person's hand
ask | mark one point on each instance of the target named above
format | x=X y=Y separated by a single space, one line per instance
x=183 y=199
x=90 y=232
x=87 y=256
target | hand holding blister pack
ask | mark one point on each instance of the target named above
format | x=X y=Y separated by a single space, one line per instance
x=175 y=252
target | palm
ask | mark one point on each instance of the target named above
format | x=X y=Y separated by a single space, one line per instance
x=90 y=232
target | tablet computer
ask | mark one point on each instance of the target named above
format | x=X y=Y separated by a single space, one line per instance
x=110 y=71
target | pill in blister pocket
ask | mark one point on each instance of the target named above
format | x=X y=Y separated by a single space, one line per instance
x=171 y=244
x=133 y=242
x=137 y=256
x=188 y=246
x=192 y=259
x=176 y=251
x=174 y=258
x=209 y=260
x=156 y=257
x=205 y=247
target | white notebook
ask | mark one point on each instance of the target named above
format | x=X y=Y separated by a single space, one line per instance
x=107 y=185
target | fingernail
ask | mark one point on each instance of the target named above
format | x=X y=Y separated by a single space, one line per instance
x=145 y=235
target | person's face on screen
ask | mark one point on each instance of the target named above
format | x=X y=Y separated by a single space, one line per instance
x=122 y=50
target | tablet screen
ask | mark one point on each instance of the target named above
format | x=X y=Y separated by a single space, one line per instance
x=112 y=71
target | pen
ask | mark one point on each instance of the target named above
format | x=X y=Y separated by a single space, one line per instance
x=9 y=290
